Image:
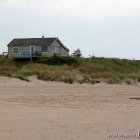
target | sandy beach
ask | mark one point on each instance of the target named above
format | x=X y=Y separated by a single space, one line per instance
x=40 y=110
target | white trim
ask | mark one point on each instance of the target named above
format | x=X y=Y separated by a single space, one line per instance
x=30 y=48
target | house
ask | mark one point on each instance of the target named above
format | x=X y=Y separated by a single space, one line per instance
x=36 y=47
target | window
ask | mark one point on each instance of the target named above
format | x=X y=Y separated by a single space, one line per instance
x=44 y=48
x=15 y=50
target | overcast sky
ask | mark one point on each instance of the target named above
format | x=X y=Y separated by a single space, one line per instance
x=109 y=28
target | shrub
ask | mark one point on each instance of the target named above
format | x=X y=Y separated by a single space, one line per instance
x=138 y=79
x=55 y=60
x=70 y=80
x=45 y=77
x=68 y=69
x=93 y=82
x=128 y=81
x=65 y=80
x=23 y=78
x=114 y=80
x=110 y=81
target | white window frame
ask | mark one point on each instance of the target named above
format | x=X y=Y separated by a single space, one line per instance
x=17 y=49
x=31 y=47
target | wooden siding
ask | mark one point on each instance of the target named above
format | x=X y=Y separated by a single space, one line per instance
x=21 y=49
x=63 y=52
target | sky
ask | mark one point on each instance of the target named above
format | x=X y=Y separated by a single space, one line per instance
x=104 y=28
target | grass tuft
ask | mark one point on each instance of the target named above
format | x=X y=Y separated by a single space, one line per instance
x=67 y=69
x=23 y=78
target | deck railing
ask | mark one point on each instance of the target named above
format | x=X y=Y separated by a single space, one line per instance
x=30 y=54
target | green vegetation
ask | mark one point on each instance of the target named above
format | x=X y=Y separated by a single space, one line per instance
x=23 y=78
x=58 y=61
x=70 y=70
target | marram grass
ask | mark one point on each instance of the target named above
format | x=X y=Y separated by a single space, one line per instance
x=88 y=70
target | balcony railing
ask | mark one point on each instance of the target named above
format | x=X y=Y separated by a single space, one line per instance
x=30 y=54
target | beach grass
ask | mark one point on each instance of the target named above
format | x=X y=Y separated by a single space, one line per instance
x=111 y=70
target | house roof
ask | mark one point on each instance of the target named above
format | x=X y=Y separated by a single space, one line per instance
x=34 y=41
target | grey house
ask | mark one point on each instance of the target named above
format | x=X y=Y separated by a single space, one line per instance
x=36 y=47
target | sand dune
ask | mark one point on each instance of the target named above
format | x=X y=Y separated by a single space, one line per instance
x=40 y=110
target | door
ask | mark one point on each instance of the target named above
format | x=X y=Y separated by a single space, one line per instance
x=32 y=50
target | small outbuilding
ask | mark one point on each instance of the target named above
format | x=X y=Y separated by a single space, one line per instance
x=36 y=47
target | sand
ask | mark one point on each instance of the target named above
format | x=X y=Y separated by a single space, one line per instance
x=40 y=110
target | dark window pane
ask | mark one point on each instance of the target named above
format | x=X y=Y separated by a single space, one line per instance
x=15 y=50
x=44 y=48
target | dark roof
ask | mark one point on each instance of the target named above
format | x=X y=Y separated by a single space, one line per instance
x=34 y=41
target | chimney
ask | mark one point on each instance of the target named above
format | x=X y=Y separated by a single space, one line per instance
x=43 y=36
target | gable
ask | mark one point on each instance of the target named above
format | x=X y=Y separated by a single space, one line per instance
x=57 y=42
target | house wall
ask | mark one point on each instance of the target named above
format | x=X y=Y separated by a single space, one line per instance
x=10 y=52
x=21 y=49
x=47 y=54
x=63 y=51
x=56 y=43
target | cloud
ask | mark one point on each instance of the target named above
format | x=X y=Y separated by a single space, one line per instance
x=82 y=8
x=3 y=1
x=106 y=27
x=88 y=8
